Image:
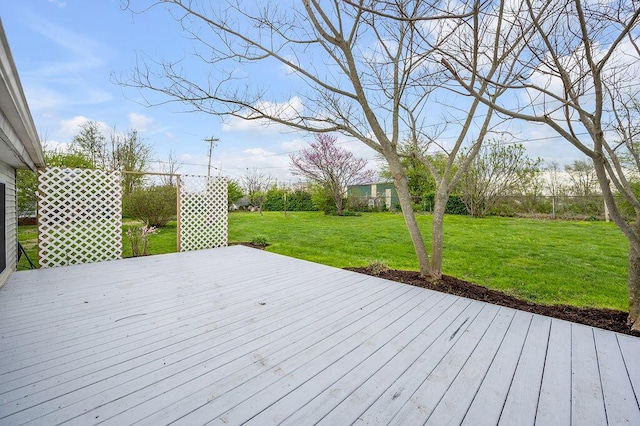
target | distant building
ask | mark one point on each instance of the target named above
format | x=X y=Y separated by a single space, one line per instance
x=380 y=195
x=19 y=149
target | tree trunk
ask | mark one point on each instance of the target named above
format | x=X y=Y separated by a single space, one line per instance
x=337 y=196
x=631 y=232
x=633 y=284
x=402 y=188
x=437 y=228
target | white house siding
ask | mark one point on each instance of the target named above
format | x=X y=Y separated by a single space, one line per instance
x=8 y=177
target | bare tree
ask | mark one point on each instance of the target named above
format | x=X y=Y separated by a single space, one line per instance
x=90 y=142
x=574 y=72
x=256 y=184
x=122 y=151
x=582 y=178
x=378 y=81
x=555 y=185
x=330 y=166
x=171 y=167
x=129 y=152
x=498 y=170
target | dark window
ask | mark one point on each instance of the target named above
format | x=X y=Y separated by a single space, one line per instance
x=3 y=228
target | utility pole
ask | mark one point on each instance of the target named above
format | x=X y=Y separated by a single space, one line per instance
x=212 y=142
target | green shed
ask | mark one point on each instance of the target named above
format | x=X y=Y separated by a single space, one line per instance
x=379 y=195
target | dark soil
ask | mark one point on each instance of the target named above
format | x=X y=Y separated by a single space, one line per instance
x=608 y=319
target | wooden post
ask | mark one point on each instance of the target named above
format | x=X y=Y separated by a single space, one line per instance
x=39 y=196
x=285 y=201
x=178 y=214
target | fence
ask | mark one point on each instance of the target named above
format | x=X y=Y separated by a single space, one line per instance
x=80 y=214
x=202 y=212
x=565 y=206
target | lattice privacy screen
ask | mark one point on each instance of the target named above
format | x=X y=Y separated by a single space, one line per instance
x=80 y=216
x=203 y=212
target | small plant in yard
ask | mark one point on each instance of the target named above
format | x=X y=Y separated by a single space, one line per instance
x=259 y=240
x=378 y=268
x=139 y=237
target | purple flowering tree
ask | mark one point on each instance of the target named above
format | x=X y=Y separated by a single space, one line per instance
x=331 y=167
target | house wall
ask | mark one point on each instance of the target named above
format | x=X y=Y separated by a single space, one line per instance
x=8 y=177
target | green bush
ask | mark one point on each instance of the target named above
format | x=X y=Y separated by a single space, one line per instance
x=259 y=240
x=455 y=205
x=297 y=201
x=300 y=200
x=323 y=200
x=155 y=205
x=234 y=192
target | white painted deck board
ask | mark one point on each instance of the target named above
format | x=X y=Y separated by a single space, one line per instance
x=487 y=404
x=357 y=390
x=235 y=335
x=149 y=356
x=620 y=404
x=453 y=406
x=553 y=405
x=587 y=399
x=522 y=401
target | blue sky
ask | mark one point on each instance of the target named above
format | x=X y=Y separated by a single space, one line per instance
x=67 y=52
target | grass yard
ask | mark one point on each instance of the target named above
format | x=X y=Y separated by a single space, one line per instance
x=554 y=262
x=164 y=241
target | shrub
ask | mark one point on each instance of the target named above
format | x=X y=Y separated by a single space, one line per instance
x=323 y=200
x=298 y=200
x=378 y=268
x=259 y=240
x=455 y=205
x=155 y=205
x=139 y=239
x=234 y=192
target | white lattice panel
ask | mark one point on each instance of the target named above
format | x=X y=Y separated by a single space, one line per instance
x=203 y=212
x=80 y=216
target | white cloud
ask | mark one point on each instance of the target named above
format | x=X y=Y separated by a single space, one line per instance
x=258 y=152
x=81 y=53
x=68 y=78
x=139 y=122
x=288 y=110
x=42 y=98
x=72 y=126
x=294 y=145
x=60 y=3
x=289 y=70
x=55 y=146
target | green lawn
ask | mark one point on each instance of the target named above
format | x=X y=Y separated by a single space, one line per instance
x=577 y=263
x=164 y=241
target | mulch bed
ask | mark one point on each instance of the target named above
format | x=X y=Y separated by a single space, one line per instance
x=608 y=319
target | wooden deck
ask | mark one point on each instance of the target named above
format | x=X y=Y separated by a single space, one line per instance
x=235 y=335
